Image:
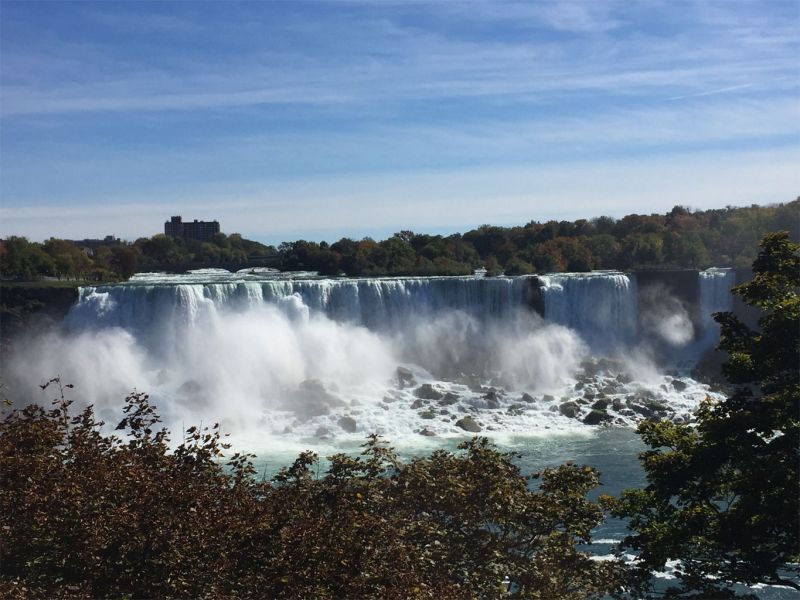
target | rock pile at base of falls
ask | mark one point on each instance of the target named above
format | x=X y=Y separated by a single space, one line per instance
x=468 y=424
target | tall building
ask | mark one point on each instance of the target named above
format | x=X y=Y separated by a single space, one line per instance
x=191 y=230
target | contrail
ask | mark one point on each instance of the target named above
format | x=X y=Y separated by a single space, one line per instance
x=712 y=92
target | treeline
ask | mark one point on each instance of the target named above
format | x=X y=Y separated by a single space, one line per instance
x=681 y=238
x=24 y=260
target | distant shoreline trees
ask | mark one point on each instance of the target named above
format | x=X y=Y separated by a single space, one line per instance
x=681 y=238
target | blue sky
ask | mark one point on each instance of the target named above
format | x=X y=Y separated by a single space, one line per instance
x=287 y=120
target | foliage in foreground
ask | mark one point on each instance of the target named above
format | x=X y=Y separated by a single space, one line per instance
x=88 y=515
x=722 y=496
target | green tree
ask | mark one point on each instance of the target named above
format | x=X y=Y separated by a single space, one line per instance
x=722 y=495
x=125 y=260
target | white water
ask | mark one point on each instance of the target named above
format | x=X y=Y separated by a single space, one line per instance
x=601 y=306
x=715 y=296
x=280 y=360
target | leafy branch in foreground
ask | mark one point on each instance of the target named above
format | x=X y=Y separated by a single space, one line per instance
x=83 y=514
x=722 y=496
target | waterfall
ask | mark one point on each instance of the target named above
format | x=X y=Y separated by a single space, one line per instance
x=378 y=304
x=600 y=306
x=715 y=296
x=291 y=354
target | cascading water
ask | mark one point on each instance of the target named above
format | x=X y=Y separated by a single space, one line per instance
x=715 y=296
x=300 y=358
x=600 y=306
x=378 y=304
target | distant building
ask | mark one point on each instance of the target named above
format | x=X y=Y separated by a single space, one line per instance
x=192 y=230
x=90 y=245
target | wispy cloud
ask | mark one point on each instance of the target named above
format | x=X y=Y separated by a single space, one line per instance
x=450 y=199
x=235 y=105
x=418 y=63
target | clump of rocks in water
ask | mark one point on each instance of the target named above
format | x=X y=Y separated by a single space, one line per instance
x=602 y=394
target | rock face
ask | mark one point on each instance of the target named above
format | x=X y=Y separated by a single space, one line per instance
x=427 y=392
x=348 y=424
x=569 y=409
x=468 y=424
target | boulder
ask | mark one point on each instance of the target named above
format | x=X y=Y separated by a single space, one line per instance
x=427 y=414
x=405 y=378
x=526 y=398
x=427 y=433
x=472 y=381
x=600 y=404
x=427 y=392
x=404 y=374
x=448 y=399
x=617 y=404
x=569 y=409
x=418 y=403
x=679 y=385
x=468 y=424
x=348 y=424
x=595 y=417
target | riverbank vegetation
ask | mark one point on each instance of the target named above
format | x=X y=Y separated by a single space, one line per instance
x=681 y=238
x=84 y=514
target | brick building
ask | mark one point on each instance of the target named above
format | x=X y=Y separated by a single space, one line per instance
x=191 y=230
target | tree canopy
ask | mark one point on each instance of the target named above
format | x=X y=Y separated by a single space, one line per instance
x=89 y=515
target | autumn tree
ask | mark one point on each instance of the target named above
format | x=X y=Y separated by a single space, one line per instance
x=87 y=515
